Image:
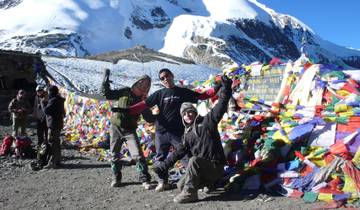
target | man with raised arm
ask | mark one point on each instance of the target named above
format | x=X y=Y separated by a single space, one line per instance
x=123 y=126
x=201 y=141
x=169 y=128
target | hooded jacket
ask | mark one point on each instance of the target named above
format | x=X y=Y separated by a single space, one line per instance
x=202 y=138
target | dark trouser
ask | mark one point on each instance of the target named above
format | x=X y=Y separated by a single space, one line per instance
x=117 y=138
x=54 y=145
x=200 y=172
x=19 y=123
x=42 y=132
x=163 y=141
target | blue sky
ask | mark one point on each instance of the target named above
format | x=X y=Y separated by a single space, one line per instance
x=337 y=21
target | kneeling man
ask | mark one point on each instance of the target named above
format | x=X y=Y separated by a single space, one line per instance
x=201 y=140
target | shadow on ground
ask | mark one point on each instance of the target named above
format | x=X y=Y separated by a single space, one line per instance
x=84 y=166
x=221 y=195
x=68 y=158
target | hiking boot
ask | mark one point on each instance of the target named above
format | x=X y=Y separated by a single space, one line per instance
x=162 y=187
x=186 y=196
x=180 y=184
x=116 y=180
x=207 y=189
x=51 y=166
x=147 y=185
x=115 y=183
x=35 y=166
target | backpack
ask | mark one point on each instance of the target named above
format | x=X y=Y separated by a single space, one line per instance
x=42 y=158
x=23 y=147
x=6 y=145
x=43 y=154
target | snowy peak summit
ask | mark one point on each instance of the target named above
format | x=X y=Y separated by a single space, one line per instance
x=207 y=31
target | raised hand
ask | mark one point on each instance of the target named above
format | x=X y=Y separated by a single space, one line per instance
x=106 y=78
x=226 y=81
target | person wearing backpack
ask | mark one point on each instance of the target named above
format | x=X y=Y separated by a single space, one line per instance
x=123 y=126
x=42 y=155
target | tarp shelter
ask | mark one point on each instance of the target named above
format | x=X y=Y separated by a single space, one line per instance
x=16 y=72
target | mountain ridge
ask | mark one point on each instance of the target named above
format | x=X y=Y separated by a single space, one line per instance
x=243 y=31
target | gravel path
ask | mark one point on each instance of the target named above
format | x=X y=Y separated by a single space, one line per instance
x=84 y=183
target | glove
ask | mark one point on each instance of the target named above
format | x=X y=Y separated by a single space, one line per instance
x=226 y=82
x=118 y=109
x=160 y=168
x=217 y=87
x=106 y=74
x=106 y=80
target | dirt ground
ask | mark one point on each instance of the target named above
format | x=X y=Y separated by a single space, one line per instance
x=84 y=183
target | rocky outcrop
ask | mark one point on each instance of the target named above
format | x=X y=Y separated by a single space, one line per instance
x=274 y=40
x=262 y=42
x=207 y=51
x=159 y=18
x=352 y=61
x=71 y=44
x=6 y=4
x=139 y=54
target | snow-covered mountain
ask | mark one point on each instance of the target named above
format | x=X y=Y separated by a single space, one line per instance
x=85 y=75
x=212 y=32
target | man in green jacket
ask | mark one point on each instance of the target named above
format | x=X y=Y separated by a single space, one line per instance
x=123 y=126
x=19 y=108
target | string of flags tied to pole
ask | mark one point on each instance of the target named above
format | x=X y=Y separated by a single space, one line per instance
x=302 y=144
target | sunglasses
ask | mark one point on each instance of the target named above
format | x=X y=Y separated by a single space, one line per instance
x=165 y=76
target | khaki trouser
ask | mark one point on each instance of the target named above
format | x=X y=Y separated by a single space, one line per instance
x=200 y=172
x=117 y=138
x=19 y=123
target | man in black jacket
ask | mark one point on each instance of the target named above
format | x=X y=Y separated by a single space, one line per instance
x=55 y=113
x=169 y=128
x=201 y=140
